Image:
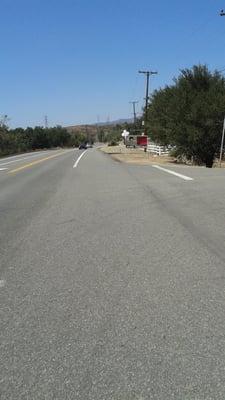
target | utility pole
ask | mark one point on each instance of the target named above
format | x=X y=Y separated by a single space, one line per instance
x=222 y=14
x=147 y=73
x=97 y=134
x=134 y=110
x=222 y=143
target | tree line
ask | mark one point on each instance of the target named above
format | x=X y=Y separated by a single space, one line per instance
x=111 y=134
x=20 y=140
x=189 y=114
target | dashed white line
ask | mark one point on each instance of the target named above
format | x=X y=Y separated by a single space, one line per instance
x=79 y=158
x=186 y=178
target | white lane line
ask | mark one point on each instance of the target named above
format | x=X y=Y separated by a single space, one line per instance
x=30 y=154
x=2 y=283
x=79 y=158
x=3 y=169
x=22 y=158
x=186 y=178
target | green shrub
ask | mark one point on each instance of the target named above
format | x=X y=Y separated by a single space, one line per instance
x=113 y=143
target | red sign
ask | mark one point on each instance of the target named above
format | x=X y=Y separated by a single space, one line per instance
x=142 y=140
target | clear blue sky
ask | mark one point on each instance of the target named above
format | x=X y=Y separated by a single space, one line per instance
x=76 y=59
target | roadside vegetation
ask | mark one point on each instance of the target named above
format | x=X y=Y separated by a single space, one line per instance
x=13 y=141
x=19 y=140
x=189 y=115
x=111 y=134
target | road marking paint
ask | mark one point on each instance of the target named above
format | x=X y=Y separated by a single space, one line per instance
x=22 y=158
x=3 y=169
x=35 y=162
x=30 y=153
x=2 y=283
x=79 y=158
x=186 y=178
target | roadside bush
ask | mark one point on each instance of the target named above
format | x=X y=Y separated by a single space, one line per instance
x=189 y=114
x=113 y=143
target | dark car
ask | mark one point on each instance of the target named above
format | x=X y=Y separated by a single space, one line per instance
x=82 y=146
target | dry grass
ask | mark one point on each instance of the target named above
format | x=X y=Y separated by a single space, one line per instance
x=217 y=164
x=135 y=156
x=139 y=157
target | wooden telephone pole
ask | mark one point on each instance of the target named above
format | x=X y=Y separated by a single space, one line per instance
x=147 y=73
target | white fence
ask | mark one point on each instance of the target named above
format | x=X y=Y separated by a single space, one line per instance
x=159 y=150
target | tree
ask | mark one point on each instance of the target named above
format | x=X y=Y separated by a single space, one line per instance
x=189 y=114
x=4 y=119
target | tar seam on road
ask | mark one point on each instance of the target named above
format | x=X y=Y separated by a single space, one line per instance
x=186 y=178
x=34 y=163
x=79 y=158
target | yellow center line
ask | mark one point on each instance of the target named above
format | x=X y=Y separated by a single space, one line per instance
x=34 y=163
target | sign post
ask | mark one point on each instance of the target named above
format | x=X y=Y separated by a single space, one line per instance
x=125 y=134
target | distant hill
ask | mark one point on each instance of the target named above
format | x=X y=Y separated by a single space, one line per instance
x=85 y=129
x=92 y=129
x=117 y=122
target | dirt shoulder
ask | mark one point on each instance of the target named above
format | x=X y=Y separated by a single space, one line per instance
x=139 y=157
x=135 y=156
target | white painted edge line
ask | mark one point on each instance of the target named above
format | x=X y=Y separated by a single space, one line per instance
x=79 y=158
x=22 y=155
x=32 y=155
x=186 y=178
x=21 y=159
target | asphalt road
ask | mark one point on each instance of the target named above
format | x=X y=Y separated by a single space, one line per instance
x=112 y=280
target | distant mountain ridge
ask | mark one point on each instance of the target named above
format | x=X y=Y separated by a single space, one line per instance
x=116 y=122
x=93 y=128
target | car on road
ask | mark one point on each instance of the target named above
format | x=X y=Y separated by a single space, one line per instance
x=83 y=146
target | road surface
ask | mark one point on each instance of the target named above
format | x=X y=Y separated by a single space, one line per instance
x=112 y=279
